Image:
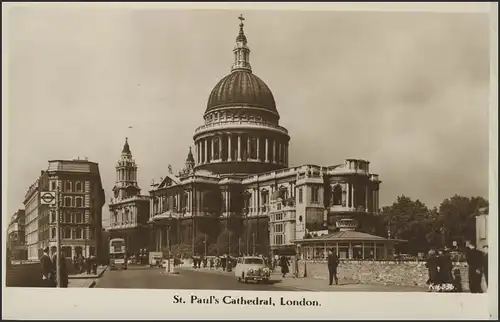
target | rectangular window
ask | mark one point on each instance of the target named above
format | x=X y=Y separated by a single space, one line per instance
x=278 y=239
x=300 y=195
x=79 y=202
x=78 y=218
x=278 y=228
x=278 y=206
x=315 y=195
x=279 y=216
x=53 y=185
x=67 y=233
x=67 y=201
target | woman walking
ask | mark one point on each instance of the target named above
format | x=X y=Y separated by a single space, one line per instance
x=284 y=264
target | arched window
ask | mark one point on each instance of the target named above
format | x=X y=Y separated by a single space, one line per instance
x=67 y=201
x=78 y=186
x=67 y=233
x=78 y=218
x=67 y=218
x=68 y=185
x=115 y=217
x=337 y=196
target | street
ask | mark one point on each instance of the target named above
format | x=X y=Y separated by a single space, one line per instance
x=154 y=278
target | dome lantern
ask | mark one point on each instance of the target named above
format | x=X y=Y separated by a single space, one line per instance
x=241 y=51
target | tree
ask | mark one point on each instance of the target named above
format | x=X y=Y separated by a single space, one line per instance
x=409 y=220
x=457 y=218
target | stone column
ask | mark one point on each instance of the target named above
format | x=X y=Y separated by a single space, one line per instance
x=274 y=151
x=267 y=150
x=239 y=147
x=352 y=196
x=229 y=148
x=212 y=148
x=197 y=152
x=220 y=147
x=206 y=151
x=348 y=195
x=249 y=139
x=366 y=198
x=258 y=149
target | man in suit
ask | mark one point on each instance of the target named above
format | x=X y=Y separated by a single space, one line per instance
x=46 y=266
x=485 y=264
x=333 y=263
x=475 y=264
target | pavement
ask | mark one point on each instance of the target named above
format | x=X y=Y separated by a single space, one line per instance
x=85 y=280
x=142 y=277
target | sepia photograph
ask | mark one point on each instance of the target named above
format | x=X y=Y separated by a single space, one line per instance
x=257 y=151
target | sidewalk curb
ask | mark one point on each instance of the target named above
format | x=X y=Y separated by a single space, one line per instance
x=88 y=277
x=93 y=284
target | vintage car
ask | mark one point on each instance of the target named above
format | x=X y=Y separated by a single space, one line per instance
x=252 y=268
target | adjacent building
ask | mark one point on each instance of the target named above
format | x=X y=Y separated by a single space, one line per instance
x=238 y=193
x=16 y=239
x=482 y=227
x=35 y=216
x=129 y=210
x=80 y=198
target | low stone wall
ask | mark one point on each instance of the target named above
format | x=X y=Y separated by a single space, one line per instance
x=379 y=272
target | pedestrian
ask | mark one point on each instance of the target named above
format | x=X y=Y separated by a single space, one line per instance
x=88 y=265
x=445 y=275
x=432 y=269
x=475 y=265
x=64 y=272
x=333 y=263
x=223 y=261
x=284 y=263
x=93 y=261
x=485 y=264
x=46 y=266
x=211 y=262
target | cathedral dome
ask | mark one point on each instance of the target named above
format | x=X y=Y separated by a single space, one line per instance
x=242 y=88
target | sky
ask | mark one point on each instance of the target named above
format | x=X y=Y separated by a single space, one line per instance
x=407 y=91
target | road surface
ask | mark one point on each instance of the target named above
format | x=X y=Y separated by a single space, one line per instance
x=154 y=278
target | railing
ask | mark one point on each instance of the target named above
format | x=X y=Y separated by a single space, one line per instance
x=244 y=123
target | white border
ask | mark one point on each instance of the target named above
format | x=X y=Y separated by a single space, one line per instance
x=141 y=304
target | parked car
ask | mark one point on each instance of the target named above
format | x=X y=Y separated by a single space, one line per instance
x=252 y=268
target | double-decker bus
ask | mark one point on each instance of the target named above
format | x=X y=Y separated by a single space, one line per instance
x=117 y=253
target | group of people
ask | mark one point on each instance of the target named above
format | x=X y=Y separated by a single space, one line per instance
x=49 y=269
x=82 y=264
x=443 y=277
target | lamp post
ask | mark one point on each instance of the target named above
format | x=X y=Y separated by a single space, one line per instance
x=168 y=249
x=239 y=246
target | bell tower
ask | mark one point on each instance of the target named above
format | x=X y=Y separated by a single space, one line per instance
x=126 y=175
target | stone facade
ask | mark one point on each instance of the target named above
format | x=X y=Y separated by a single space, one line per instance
x=80 y=198
x=16 y=239
x=379 y=272
x=129 y=210
x=239 y=180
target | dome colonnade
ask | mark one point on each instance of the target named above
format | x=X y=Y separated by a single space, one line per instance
x=241 y=133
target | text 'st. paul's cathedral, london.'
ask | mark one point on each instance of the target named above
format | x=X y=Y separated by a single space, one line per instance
x=238 y=193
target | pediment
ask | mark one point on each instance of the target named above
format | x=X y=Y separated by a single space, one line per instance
x=168 y=181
